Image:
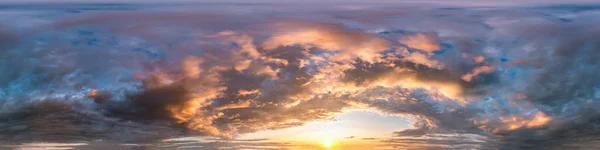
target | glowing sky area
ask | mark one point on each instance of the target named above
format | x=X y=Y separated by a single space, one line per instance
x=344 y=126
x=300 y=75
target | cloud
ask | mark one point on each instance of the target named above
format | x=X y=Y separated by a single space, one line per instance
x=479 y=70
x=350 y=43
x=424 y=59
x=438 y=141
x=49 y=146
x=427 y=42
x=411 y=132
x=495 y=79
x=8 y=38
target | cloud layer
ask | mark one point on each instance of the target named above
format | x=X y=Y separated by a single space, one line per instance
x=496 y=77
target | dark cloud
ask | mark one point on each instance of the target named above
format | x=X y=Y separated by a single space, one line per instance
x=53 y=120
x=8 y=38
x=411 y=132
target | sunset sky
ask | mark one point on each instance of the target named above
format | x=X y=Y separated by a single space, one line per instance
x=300 y=75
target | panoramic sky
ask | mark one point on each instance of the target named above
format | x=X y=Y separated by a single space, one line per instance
x=300 y=75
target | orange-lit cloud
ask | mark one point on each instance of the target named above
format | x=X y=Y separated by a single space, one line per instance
x=427 y=42
x=477 y=71
x=350 y=43
x=516 y=122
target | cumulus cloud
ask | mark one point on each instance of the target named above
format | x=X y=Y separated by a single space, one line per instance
x=427 y=42
x=351 y=44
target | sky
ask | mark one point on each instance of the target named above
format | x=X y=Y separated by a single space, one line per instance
x=299 y=75
x=455 y=2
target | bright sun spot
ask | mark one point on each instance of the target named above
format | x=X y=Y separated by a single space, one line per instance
x=327 y=143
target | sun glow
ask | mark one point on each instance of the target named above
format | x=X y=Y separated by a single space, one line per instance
x=327 y=143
